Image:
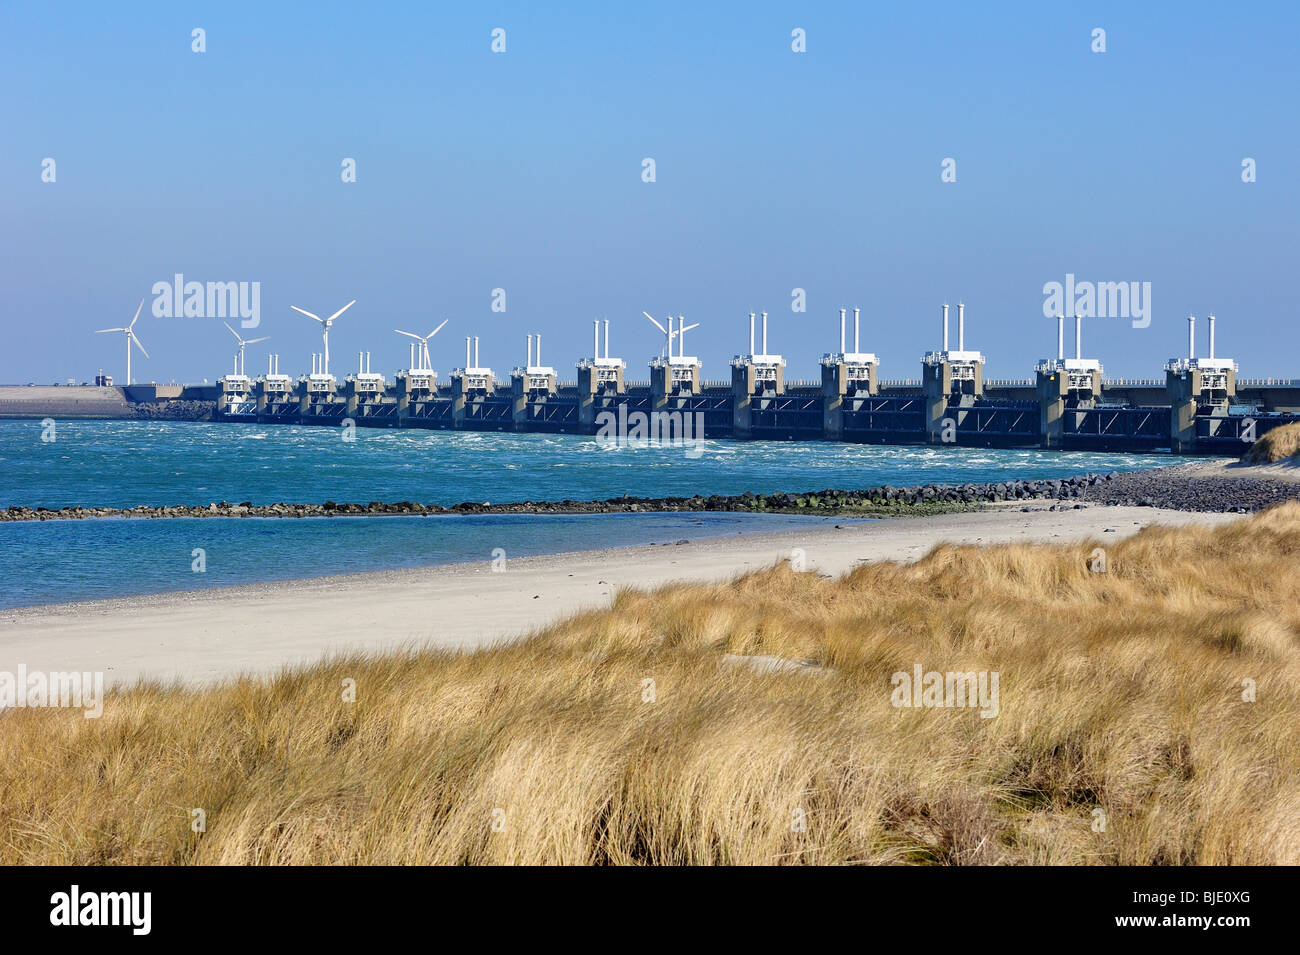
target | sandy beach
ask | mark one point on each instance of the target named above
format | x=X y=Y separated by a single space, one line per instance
x=200 y=637
x=1288 y=471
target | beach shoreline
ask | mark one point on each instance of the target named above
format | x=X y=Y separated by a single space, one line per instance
x=206 y=636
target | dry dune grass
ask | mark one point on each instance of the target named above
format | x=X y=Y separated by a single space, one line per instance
x=1275 y=445
x=1119 y=691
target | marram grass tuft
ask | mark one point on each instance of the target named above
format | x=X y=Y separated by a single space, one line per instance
x=1125 y=734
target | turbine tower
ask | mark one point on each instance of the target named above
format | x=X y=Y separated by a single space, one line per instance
x=426 y=363
x=242 y=343
x=670 y=332
x=130 y=337
x=325 y=330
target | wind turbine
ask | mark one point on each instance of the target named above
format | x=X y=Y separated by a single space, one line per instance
x=130 y=337
x=242 y=343
x=426 y=363
x=669 y=333
x=326 y=323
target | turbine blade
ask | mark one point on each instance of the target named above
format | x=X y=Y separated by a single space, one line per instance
x=439 y=328
x=305 y=312
x=342 y=310
x=137 y=314
x=138 y=345
x=656 y=324
x=408 y=334
x=233 y=332
x=254 y=341
x=689 y=327
x=100 y=331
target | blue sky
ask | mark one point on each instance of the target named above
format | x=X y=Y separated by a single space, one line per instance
x=775 y=170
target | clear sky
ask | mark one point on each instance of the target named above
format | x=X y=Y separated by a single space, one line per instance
x=522 y=170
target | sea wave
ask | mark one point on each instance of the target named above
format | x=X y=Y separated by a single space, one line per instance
x=187 y=462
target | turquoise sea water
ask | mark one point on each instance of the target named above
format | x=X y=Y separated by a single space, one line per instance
x=58 y=561
x=125 y=463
